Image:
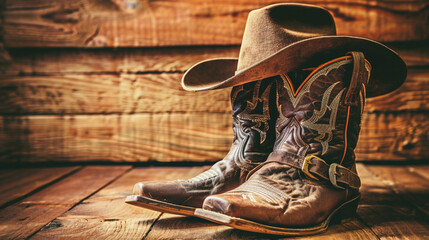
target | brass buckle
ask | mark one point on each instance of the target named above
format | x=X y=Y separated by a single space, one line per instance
x=333 y=175
x=306 y=163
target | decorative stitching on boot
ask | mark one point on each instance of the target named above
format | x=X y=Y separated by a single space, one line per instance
x=262 y=189
x=203 y=176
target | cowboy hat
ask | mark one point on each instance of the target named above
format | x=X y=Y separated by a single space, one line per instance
x=284 y=37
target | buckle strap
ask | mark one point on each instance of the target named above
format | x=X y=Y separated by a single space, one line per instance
x=339 y=176
x=318 y=169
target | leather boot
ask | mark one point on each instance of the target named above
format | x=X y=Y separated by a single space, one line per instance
x=254 y=117
x=310 y=177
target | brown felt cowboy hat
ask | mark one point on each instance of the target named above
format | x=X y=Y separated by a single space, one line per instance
x=285 y=37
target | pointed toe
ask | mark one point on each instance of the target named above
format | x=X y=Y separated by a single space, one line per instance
x=217 y=204
x=138 y=189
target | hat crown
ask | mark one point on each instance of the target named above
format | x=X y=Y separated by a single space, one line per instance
x=274 y=27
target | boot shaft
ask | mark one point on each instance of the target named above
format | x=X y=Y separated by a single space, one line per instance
x=320 y=112
x=254 y=117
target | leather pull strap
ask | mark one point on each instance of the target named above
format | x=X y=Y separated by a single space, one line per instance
x=358 y=78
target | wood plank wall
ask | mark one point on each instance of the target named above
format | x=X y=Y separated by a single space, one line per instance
x=91 y=80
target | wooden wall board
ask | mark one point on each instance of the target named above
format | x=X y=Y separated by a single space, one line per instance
x=180 y=137
x=17 y=183
x=394 y=136
x=51 y=61
x=106 y=93
x=105 y=215
x=156 y=93
x=57 y=61
x=125 y=23
x=27 y=216
x=413 y=95
x=388 y=215
x=116 y=137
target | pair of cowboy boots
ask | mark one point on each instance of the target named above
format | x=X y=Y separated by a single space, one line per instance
x=291 y=167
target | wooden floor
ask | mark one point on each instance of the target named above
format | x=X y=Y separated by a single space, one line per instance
x=88 y=203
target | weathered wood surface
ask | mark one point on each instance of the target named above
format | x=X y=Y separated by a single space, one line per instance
x=386 y=212
x=105 y=215
x=29 y=215
x=180 y=137
x=422 y=171
x=123 y=23
x=47 y=61
x=406 y=184
x=170 y=226
x=17 y=183
x=394 y=136
x=156 y=93
x=137 y=137
x=106 y=93
x=413 y=95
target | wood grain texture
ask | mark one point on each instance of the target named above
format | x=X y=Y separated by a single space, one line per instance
x=393 y=136
x=125 y=23
x=422 y=171
x=29 y=215
x=180 y=137
x=137 y=137
x=171 y=226
x=409 y=186
x=106 y=93
x=157 y=93
x=51 y=61
x=384 y=211
x=57 y=61
x=105 y=215
x=413 y=95
x=16 y=183
x=388 y=214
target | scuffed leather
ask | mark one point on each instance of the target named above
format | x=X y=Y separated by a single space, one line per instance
x=313 y=121
x=254 y=115
x=308 y=203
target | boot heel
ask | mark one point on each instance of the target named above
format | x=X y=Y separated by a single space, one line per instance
x=347 y=211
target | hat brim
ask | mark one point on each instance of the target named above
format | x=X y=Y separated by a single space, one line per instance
x=388 y=69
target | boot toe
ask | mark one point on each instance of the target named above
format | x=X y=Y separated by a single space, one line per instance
x=154 y=190
x=217 y=204
x=138 y=189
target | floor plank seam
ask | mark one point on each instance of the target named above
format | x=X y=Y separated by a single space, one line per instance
x=359 y=218
x=18 y=199
x=151 y=226
x=83 y=199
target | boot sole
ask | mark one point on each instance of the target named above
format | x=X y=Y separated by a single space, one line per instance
x=159 y=206
x=344 y=212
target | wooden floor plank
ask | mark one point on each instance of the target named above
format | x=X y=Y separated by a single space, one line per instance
x=16 y=183
x=407 y=185
x=105 y=215
x=171 y=226
x=388 y=215
x=22 y=219
x=423 y=171
x=385 y=212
